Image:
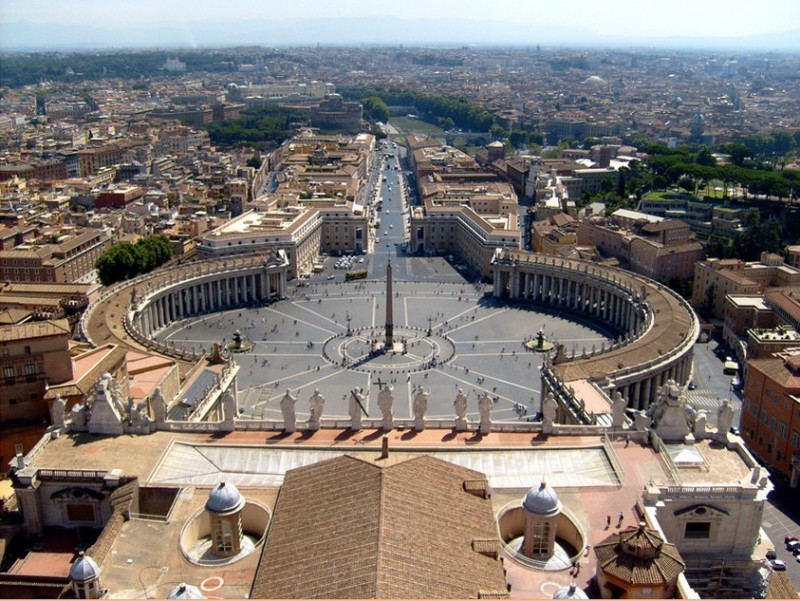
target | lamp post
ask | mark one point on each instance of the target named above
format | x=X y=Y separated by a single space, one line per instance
x=430 y=321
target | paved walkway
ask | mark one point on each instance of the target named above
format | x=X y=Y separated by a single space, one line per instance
x=479 y=344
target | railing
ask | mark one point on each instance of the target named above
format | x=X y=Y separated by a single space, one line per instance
x=66 y=474
x=710 y=492
x=612 y=458
x=41 y=444
x=667 y=463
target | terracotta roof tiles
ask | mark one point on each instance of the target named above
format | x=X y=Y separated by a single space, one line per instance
x=348 y=528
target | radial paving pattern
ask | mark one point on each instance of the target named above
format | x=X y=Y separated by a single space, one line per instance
x=324 y=336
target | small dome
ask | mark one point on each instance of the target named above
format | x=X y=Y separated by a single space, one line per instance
x=570 y=592
x=594 y=80
x=224 y=498
x=185 y=591
x=542 y=501
x=84 y=569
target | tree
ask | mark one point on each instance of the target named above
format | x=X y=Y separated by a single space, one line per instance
x=375 y=109
x=124 y=260
x=704 y=157
x=737 y=152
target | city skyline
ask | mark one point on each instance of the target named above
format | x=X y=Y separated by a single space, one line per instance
x=47 y=23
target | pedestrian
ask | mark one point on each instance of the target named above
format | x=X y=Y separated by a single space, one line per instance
x=608 y=521
x=627 y=440
x=621 y=518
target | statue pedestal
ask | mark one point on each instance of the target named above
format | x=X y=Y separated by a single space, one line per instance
x=461 y=425
x=485 y=427
x=419 y=424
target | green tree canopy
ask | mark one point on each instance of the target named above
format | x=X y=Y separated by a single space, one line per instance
x=124 y=260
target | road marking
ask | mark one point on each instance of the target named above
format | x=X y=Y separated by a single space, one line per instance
x=331 y=332
x=466 y=325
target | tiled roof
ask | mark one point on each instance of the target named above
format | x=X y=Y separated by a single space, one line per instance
x=348 y=528
x=34 y=329
x=638 y=555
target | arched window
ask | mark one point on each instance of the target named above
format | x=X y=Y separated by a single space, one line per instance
x=223 y=536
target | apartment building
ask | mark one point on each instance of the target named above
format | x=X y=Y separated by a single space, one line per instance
x=34 y=356
x=770 y=422
x=714 y=279
x=659 y=249
x=63 y=256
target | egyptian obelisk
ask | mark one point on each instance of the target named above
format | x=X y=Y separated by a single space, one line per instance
x=389 y=342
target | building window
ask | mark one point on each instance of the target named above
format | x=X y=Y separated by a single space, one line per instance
x=697 y=530
x=541 y=538
x=80 y=512
x=8 y=371
x=223 y=536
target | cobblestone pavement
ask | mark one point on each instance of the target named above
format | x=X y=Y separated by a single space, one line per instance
x=475 y=344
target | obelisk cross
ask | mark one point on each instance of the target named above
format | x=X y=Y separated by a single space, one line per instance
x=389 y=342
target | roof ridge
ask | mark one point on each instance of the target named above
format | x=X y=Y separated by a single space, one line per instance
x=380 y=559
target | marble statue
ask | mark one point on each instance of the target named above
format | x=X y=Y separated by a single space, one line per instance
x=549 y=413
x=641 y=421
x=316 y=404
x=287 y=410
x=159 y=406
x=618 y=407
x=139 y=418
x=485 y=405
x=59 y=411
x=79 y=416
x=672 y=418
x=229 y=410
x=700 y=420
x=460 y=406
x=385 y=402
x=724 y=420
x=420 y=406
x=356 y=406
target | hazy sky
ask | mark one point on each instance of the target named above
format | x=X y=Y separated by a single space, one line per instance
x=628 y=17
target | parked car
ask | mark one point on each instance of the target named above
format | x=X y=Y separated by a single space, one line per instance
x=777 y=565
x=771 y=554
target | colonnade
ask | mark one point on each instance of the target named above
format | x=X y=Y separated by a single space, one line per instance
x=208 y=294
x=607 y=301
x=617 y=299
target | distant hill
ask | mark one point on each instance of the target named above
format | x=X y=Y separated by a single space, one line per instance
x=26 y=36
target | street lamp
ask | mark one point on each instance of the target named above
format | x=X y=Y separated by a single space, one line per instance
x=430 y=321
x=349 y=331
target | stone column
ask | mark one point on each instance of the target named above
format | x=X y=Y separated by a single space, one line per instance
x=644 y=399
